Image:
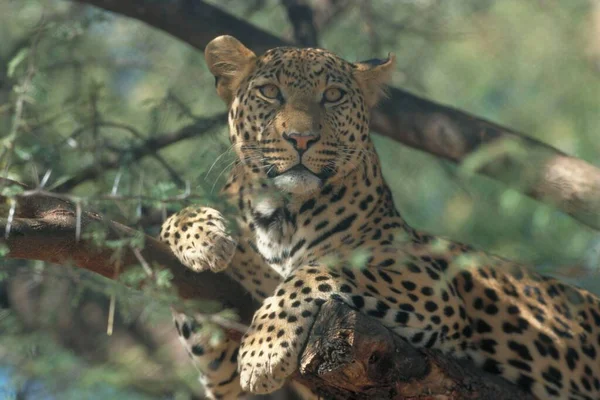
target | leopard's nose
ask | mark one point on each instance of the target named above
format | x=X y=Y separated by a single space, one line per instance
x=301 y=141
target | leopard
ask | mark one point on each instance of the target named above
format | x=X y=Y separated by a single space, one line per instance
x=315 y=221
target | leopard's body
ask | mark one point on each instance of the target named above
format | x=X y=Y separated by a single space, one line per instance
x=313 y=203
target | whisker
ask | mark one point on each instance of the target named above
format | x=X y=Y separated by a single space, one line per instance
x=217 y=160
x=221 y=173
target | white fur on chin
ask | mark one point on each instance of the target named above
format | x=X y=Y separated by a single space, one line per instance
x=298 y=182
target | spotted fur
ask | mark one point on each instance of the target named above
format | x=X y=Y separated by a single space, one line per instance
x=200 y=239
x=318 y=222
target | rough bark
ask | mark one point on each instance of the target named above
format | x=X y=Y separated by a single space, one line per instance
x=352 y=356
x=544 y=173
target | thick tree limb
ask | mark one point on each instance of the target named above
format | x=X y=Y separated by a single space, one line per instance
x=545 y=173
x=45 y=228
x=351 y=356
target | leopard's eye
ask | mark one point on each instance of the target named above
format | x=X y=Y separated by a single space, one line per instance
x=333 y=95
x=269 y=91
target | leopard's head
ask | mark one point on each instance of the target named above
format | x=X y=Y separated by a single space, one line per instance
x=298 y=117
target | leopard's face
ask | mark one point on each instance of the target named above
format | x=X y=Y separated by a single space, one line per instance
x=298 y=117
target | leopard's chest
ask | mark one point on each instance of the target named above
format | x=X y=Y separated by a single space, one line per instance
x=279 y=238
x=291 y=234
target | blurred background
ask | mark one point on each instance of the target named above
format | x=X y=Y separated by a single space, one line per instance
x=93 y=103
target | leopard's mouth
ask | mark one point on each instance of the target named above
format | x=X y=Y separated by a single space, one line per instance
x=298 y=179
x=300 y=170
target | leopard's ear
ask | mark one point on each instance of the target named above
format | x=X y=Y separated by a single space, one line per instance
x=373 y=76
x=229 y=61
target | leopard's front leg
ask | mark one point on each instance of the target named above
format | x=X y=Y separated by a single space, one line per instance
x=199 y=237
x=217 y=360
x=270 y=349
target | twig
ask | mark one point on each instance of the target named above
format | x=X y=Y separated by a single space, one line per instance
x=22 y=90
x=150 y=146
x=184 y=108
x=10 y=218
x=155 y=154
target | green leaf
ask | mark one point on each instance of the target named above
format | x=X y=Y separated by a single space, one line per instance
x=509 y=200
x=16 y=60
x=11 y=191
x=23 y=153
x=331 y=261
x=230 y=314
x=137 y=240
x=133 y=277
x=164 y=278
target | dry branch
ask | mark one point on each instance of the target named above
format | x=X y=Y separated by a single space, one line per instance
x=351 y=356
x=547 y=174
x=152 y=145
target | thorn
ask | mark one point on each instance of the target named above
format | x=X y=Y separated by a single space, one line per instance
x=11 y=216
x=77 y=221
x=45 y=178
x=111 y=315
x=115 y=187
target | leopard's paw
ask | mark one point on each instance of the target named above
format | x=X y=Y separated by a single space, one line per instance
x=198 y=237
x=263 y=371
x=270 y=350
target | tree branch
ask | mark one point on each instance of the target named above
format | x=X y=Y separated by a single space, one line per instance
x=352 y=356
x=45 y=228
x=151 y=146
x=544 y=173
x=327 y=11
x=300 y=15
x=154 y=153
